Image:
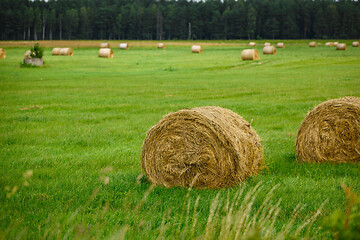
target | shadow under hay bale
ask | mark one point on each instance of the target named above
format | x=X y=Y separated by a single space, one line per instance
x=204 y=147
x=250 y=54
x=341 y=46
x=269 y=50
x=196 y=49
x=331 y=132
x=106 y=53
x=2 y=53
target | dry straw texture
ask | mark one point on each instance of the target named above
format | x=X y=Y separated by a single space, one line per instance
x=104 y=45
x=312 y=44
x=341 y=46
x=106 y=53
x=329 y=44
x=336 y=43
x=268 y=50
x=355 y=44
x=252 y=44
x=267 y=44
x=196 y=49
x=56 y=51
x=280 y=45
x=66 y=52
x=2 y=53
x=331 y=132
x=205 y=147
x=124 y=46
x=250 y=54
x=161 y=45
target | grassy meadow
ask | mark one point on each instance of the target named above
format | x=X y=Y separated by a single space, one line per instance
x=71 y=136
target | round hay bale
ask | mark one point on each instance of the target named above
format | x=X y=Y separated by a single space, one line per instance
x=341 y=46
x=269 y=50
x=329 y=44
x=106 y=53
x=2 y=53
x=196 y=49
x=336 y=43
x=312 y=44
x=252 y=44
x=250 y=54
x=204 y=147
x=56 y=51
x=105 y=45
x=66 y=52
x=161 y=45
x=331 y=132
x=124 y=46
x=280 y=45
x=355 y=44
x=267 y=44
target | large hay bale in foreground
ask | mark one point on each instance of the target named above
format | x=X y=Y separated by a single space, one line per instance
x=124 y=46
x=269 y=50
x=104 y=45
x=106 y=53
x=56 y=51
x=196 y=49
x=331 y=132
x=341 y=46
x=252 y=44
x=66 y=52
x=355 y=44
x=161 y=45
x=312 y=44
x=204 y=147
x=280 y=45
x=250 y=54
x=2 y=53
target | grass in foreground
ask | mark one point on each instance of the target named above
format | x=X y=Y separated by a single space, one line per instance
x=78 y=115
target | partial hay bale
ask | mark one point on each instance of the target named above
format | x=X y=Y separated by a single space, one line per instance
x=355 y=44
x=2 y=53
x=250 y=54
x=106 y=53
x=161 y=45
x=124 y=46
x=56 y=51
x=280 y=45
x=204 y=147
x=331 y=132
x=269 y=50
x=341 y=46
x=267 y=44
x=312 y=44
x=66 y=52
x=104 y=45
x=329 y=44
x=252 y=44
x=336 y=43
x=196 y=49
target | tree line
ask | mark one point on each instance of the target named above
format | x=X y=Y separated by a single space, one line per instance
x=178 y=19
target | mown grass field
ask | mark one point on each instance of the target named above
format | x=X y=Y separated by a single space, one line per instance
x=91 y=116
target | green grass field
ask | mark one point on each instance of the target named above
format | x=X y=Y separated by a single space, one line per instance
x=93 y=115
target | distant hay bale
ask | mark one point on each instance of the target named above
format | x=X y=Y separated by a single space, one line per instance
x=341 y=46
x=267 y=44
x=196 y=49
x=269 y=50
x=312 y=44
x=280 y=45
x=56 y=51
x=106 y=53
x=2 y=53
x=355 y=44
x=204 y=147
x=250 y=54
x=252 y=44
x=124 y=46
x=161 y=45
x=329 y=44
x=331 y=132
x=336 y=43
x=104 y=45
x=66 y=52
